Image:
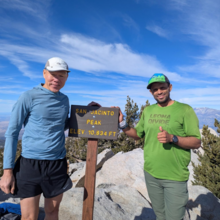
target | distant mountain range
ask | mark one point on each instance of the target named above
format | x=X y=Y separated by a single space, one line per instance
x=206 y=116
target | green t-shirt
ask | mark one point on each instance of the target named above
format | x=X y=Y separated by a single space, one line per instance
x=167 y=161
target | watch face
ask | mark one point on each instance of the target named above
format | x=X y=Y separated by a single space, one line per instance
x=175 y=139
x=123 y=123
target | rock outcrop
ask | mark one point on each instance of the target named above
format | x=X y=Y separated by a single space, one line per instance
x=194 y=159
x=121 y=193
x=111 y=202
x=203 y=203
x=78 y=169
x=124 y=169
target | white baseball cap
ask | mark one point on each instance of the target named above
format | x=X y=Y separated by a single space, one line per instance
x=56 y=64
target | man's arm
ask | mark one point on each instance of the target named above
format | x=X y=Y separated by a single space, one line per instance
x=19 y=113
x=188 y=142
x=131 y=132
x=184 y=142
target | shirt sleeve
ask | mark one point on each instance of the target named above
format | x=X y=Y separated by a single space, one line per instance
x=19 y=113
x=140 y=126
x=191 y=124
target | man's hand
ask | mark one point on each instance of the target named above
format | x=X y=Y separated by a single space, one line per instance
x=163 y=136
x=120 y=117
x=94 y=104
x=7 y=182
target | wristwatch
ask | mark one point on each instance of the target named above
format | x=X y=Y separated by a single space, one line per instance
x=122 y=125
x=175 y=139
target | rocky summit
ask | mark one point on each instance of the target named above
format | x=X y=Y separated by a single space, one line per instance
x=121 y=194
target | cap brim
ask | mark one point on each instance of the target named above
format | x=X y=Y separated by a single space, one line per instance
x=57 y=70
x=149 y=85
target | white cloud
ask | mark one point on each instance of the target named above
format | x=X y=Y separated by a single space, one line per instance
x=178 y=4
x=206 y=97
x=12 y=89
x=158 y=30
x=33 y=8
x=5 y=78
x=21 y=65
x=128 y=21
x=200 y=22
x=137 y=91
x=209 y=101
x=92 y=55
x=199 y=91
x=86 y=54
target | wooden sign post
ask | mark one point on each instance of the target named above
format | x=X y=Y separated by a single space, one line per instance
x=95 y=123
x=89 y=184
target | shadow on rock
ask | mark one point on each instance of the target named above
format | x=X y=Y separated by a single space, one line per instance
x=146 y=214
x=205 y=206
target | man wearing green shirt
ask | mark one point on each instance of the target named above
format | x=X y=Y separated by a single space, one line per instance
x=170 y=129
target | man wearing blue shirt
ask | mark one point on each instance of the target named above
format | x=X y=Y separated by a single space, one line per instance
x=42 y=167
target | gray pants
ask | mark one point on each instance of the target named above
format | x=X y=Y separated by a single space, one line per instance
x=168 y=197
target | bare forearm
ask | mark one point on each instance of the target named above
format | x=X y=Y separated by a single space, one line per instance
x=188 y=142
x=131 y=132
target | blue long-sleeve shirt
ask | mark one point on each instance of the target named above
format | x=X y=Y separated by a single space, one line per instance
x=44 y=115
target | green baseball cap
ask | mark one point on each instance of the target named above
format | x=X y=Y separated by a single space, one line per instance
x=158 y=77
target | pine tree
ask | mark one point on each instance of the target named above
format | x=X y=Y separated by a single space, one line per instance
x=131 y=111
x=143 y=107
x=76 y=149
x=125 y=143
x=207 y=174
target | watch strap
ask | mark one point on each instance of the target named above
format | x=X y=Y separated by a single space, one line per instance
x=122 y=125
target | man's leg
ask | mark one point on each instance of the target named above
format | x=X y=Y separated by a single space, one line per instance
x=176 y=197
x=30 y=208
x=51 y=207
x=156 y=194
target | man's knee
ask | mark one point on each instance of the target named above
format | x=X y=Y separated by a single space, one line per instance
x=52 y=205
x=28 y=217
x=30 y=208
x=50 y=210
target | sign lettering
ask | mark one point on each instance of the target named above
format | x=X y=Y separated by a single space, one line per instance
x=93 y=122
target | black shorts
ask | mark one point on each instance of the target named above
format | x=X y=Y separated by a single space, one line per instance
x=33 y=177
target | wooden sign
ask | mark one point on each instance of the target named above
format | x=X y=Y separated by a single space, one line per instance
x=93 y=122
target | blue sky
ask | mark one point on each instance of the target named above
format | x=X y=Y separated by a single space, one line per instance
x=112 y=48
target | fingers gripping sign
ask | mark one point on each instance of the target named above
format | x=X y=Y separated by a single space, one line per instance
x=120 y=117
x=163 y=136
